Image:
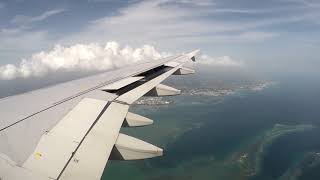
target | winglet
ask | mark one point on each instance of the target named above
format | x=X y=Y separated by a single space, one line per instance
x=192 y=54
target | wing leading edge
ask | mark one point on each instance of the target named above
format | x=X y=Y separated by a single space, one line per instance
x=75 y=136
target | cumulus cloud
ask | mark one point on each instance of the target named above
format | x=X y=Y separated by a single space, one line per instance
x=91 y=57
x=219 y=61
x=79 y=57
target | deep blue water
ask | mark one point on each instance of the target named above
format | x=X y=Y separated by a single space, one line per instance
x=211 y=130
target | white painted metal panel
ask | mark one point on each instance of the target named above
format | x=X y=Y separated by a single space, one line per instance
x=130 y=148
x=32 y=129
x=163 y=90
x=10 y=171
x=28 y=116
x=135 y=120
x=18 y=107
x=193 y=53
x=172 y=64
x=121 y=83
x=90 y=159
x=56 y=147
x=184 y=71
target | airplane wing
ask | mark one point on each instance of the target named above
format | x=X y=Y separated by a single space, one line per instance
x=70 y=131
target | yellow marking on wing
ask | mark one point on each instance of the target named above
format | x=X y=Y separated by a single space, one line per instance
x=38 y=155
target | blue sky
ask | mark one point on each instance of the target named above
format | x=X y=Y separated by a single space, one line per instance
x=276 y=35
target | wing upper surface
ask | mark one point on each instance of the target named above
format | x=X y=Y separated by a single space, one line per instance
x=28 y=116
x=51 y=133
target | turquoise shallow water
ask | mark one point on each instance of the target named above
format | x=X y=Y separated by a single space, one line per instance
x=269 y=134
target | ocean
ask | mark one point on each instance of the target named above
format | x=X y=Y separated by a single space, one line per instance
x=265 y=134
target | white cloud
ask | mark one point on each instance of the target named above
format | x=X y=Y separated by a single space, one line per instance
x=92 y=57
x=159 y=22
x=170 y=26
x=308 y=3
x=80 y=57
x=22 y=19
x=193 y=2
x=246 y=37
x=218 y=61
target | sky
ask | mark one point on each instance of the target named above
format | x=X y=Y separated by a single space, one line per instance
x=41 y=36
